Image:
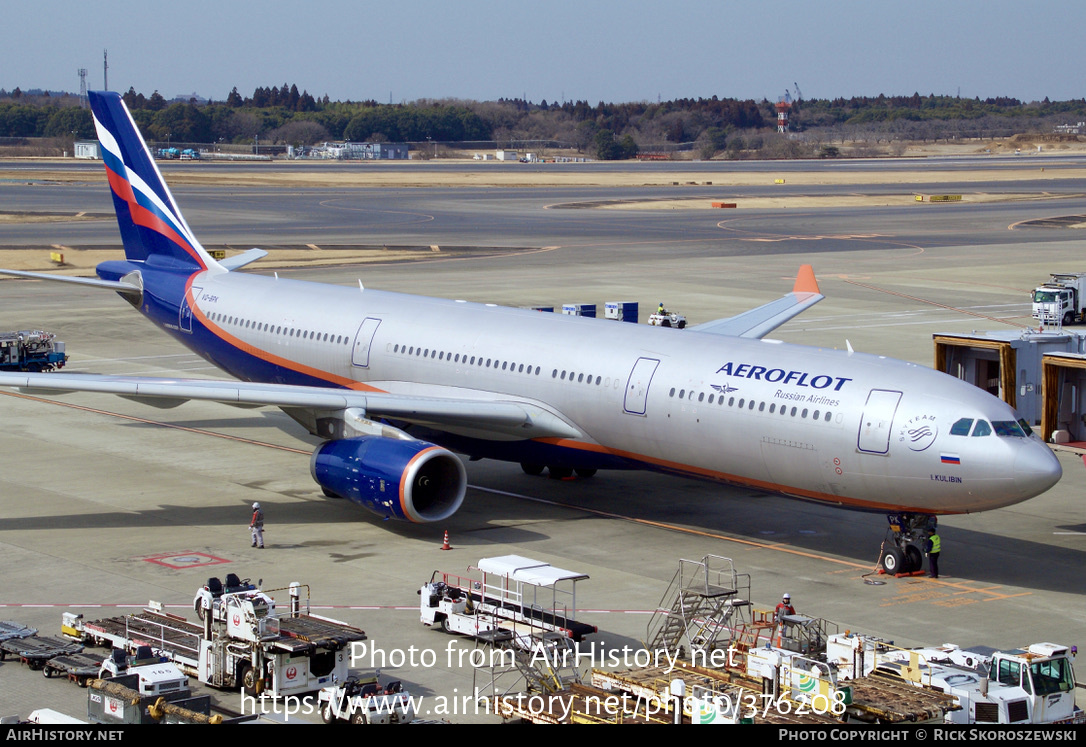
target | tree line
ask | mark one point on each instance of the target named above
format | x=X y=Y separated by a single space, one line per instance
x=710 y=126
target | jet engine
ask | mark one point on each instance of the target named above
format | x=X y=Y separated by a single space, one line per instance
x=412 y=480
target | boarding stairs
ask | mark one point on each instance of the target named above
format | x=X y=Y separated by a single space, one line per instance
x=706 y=600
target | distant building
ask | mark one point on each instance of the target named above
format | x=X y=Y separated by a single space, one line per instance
x=89 y=149
x=360 y=151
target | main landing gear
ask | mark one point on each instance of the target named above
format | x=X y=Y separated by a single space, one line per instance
x=906 y=541
x=558 y=473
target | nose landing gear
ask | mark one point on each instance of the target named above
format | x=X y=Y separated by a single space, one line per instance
x=905 y=543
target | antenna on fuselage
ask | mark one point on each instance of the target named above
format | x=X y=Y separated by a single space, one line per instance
x=360 y=286
x=849 y=346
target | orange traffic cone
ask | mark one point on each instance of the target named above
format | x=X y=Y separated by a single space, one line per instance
x=445 y=545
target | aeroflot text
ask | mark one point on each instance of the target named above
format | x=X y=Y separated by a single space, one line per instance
x=780 y=376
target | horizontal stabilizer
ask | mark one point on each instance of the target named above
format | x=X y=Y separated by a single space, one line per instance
x=240 y=260
x=114 y=285
x=757 y=323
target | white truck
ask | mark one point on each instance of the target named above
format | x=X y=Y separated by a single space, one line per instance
x=1035 y=685
x=1062 y=300
x=361 y=701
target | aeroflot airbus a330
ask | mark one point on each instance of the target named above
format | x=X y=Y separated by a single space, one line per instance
x=394 y=382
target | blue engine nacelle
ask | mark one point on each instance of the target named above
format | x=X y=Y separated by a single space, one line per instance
x=412 y=480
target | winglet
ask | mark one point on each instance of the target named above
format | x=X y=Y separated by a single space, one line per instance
x=805 y=281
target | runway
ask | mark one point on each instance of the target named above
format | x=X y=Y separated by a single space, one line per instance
x=91 y=497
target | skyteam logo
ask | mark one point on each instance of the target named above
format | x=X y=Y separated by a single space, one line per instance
x=919 y=432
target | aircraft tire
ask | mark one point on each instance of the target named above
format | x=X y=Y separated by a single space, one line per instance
x=893 y=561
x=914 y=559
x=531 y=468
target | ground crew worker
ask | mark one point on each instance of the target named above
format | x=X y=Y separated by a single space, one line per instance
x=935 y=546
x=661 y=311
x=784 y=608
x=256 y=526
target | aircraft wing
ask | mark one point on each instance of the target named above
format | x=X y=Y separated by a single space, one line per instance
x=759 y=322
x=519 y=419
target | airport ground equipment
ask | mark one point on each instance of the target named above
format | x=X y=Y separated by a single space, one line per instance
x=622 y=311
x=579 y=309
x=35 y=650
x=157 y=675
x=1062 y=300
x=120 y=701
x=242 y=646
x=668 y=319
x=10 y=629
x=31 y=350
x=511 y=592
x=364 y=701
x=906 y=542
x=209 y=595
x=1035 y=685
x=78 y=668
x=706 y=599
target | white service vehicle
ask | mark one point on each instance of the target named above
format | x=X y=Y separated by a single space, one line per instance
x=1035 y=685
x=157 y=676
x=510 y=593
x=665 y=318
x=1062 y=300
x=365 y=702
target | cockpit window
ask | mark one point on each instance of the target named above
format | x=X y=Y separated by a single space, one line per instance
x=982 y=428
x=961 y=428
x=1007 y=428
x=1026 y=428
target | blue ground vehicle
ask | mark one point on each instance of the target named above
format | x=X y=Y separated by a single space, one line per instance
x=31 y=350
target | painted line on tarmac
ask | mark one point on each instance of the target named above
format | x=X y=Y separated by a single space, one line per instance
x=778 y=547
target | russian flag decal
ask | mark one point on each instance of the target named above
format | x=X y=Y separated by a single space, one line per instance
x=950 y=459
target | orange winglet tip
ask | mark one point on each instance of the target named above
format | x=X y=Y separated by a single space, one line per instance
x=805 y=281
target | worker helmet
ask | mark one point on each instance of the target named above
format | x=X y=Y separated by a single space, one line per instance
x=787 y=597
x=256 y=506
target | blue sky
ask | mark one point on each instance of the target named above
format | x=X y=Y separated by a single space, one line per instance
x=560 y=50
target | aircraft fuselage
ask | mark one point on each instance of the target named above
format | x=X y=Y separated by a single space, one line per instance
x=851 y=429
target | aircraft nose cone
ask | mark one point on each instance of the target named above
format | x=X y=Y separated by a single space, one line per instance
x=1036 y=469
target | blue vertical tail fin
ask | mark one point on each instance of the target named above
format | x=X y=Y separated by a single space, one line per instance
x=152 y=227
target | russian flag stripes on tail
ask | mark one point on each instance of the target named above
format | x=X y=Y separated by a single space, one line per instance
x=152 y=227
